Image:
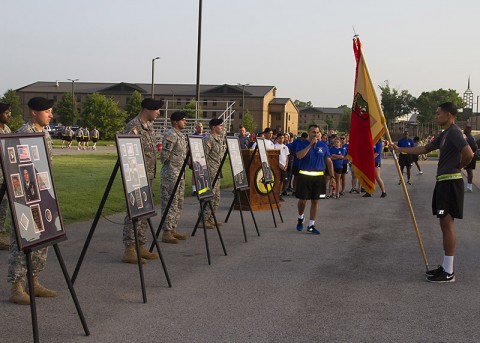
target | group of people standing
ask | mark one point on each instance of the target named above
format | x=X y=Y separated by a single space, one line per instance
x=83 y=137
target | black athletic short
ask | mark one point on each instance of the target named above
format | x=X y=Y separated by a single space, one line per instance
x=345 y=169
x=338 y=170
x=414 y=158
x=448 y=198
x=283 y=175
x=472 y=164
x=295 y=170
x=79 y=139
x=405 y=160
x=378 y=164
x=310 y=187
x=68 y=138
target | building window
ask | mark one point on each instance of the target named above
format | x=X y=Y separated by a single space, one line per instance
x=240 y=116
x=205 y=102
x=205 y=114
x=127 y=100
x=54 y=98
x=179 y=101
x=233 y=115
x=79 y=98
x=214 y=102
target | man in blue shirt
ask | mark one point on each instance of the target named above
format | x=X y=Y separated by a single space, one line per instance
x=377 y=152
x=313 y=155
x=405 y=160
x=293 y=149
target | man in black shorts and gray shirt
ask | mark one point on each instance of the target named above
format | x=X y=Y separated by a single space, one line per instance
x=447 y=202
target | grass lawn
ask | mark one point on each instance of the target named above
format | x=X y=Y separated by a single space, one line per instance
x=81 y=181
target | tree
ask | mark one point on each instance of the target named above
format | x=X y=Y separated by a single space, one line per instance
x=428 y=102
x=103 y=113
x=134 y=105
x=191 y=108
x=344 y=124
x=396 y=102
x=303 y=104
x=64 y=111
x=329 y=122
x=16 y=119
x=249 y=122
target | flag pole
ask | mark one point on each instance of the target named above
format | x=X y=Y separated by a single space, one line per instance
x=405 y=191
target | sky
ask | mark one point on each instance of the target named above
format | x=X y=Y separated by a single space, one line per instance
x=302 y=47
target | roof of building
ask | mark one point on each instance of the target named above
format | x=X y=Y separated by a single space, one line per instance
x=280 y=101
x=145 y=88
x=326 y=110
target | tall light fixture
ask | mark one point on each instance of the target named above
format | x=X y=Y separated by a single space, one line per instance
x=153 y=75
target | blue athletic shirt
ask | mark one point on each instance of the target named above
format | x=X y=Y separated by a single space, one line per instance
x=293 y=148
x=345 y=147
x=406 y=143
x=314 y=160
x=337 y=164
x=377 y=149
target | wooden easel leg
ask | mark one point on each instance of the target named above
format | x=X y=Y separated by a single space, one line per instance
x=216 y=225
x=202 y=205
x=31 y=290
x=251 y=212
x=164 y=266
x=241 y=215
x=139 y=260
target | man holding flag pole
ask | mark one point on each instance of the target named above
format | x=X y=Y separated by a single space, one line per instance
x=367 y=126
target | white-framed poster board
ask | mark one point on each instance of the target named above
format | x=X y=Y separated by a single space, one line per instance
x=31 y=190
x=199 y=167
x=240 y=180
x=134 y=175
x=262 y=151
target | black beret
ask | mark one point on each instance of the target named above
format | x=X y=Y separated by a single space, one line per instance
x=40 y=104
x=267 y=130
x=178 y=115
x=4 y=107
x=152 y=104
x=215 y=122
x=304 y=135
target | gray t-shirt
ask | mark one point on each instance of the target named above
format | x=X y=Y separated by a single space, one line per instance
x=450 y=142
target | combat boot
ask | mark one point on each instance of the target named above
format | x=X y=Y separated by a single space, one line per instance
x=130 y=255
x=179 y=236
x=147 y=254
x=168 y=237
x=41 y=291
x=210 y=224
x=18 y=294
x=4 y=243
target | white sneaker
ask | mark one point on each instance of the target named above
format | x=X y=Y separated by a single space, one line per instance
x=468 y=190
x=420 y=173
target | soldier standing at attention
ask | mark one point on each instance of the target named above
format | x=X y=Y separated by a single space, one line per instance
x=142 y=125
x=173 y=154
x=214 y=150
x=4 y=119
x=40 y=116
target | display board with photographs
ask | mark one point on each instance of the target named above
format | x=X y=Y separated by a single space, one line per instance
x=262 y=151
x=236 y=162
x=199 y=167
x=31 y=190
x=134 y=175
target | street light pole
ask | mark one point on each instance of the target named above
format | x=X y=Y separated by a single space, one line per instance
x=199 y=46
x=243 y=97
x=73 y=98
x=153 y=75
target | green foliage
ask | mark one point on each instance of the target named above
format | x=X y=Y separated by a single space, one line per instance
x=329 y=121
x=249 y=122
x=103 y=113
x=66 y=115
x=396 y=102
x=303 y=104
x=134 y=105
x=344 y=124
x=16 y=120
x=190 y=108
x=428 y=102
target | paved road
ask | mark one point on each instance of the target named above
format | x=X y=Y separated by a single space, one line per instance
x=361 y=280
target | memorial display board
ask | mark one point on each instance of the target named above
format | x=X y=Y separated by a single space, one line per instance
x=199 y=167
x=236 y=163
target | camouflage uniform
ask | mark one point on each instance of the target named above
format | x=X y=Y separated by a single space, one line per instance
x=4 y=203
x=17 y=264
x=214 y=150
x=147 y=133
x=174 y=152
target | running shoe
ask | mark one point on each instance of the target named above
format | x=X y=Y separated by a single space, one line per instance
x=408 y=183
x=311 y=229
x=300 y=224
x=342 y=194
x=434 y=272
x=442 y=277
x=352 y=191
x=383 y=195
x=367 y=195
x=399 y=182
x=420 y=173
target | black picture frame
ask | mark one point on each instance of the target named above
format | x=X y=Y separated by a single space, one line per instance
x=240 y=180
x=262 y=152
x=200 y=172
x=36 y=215
x=137 y=189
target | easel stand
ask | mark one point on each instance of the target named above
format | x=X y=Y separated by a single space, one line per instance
x=135 y=231
x=238 y=197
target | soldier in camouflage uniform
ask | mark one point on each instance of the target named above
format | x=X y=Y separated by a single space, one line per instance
x=174 y=152
x=214 y=150
x=4 y=119
x=41 y=114
x=142 y=125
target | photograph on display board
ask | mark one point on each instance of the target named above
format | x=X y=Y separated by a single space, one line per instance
x=262 y=151
x=199 y=167
x=236 y=163
x=138 y=194
x=31 y=190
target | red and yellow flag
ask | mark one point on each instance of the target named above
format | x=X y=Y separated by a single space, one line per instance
x=367 y=124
